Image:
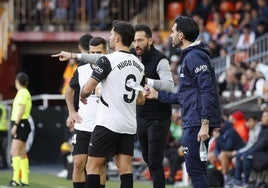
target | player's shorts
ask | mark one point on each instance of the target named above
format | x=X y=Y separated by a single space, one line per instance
x=23 y=130
x=106 y=143
x=80 y=142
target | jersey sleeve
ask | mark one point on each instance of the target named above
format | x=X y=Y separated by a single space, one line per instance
x=23 y=96
x=102 y=69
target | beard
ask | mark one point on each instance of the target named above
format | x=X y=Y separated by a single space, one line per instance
x=140 y=51
x=177 y=44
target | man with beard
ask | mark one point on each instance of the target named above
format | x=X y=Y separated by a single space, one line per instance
x=154 y=117
x=197 y=94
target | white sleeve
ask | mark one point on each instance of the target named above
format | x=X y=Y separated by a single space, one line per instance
x=89 y=58
x=165 y=82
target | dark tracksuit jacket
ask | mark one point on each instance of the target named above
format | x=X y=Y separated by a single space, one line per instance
x=197 y=92
x=198 y=96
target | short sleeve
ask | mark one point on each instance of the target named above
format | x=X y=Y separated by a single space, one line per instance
x=102 y=69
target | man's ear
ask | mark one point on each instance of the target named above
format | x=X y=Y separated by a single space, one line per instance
x=181 y=35
x=80 y=48
x=117 y=38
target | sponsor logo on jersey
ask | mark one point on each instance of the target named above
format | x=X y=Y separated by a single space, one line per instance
x=98 y=69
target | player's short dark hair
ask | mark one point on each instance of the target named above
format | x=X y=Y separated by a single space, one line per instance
x=145 y=28
x=188 y=27
x=84 y=40
x=22 y=78
x=95 y=41
x=125 y=30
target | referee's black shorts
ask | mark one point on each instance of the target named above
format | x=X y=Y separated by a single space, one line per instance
x=106 y=143
x=23 y=130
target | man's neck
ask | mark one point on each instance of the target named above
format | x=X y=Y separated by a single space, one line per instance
x=122 y=48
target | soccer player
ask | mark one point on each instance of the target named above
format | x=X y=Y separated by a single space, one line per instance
x=116 y=116
x=86 y=115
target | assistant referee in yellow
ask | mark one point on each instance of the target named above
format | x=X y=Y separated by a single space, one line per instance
x=20 y=130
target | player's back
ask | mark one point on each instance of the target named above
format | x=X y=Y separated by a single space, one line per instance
x=118 y=102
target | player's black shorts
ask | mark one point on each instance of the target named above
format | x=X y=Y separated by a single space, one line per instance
x=80 y=142
x=23 y=130
x=106 y=143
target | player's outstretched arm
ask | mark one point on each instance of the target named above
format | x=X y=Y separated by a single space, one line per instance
x=64 y=56
x=84 y=57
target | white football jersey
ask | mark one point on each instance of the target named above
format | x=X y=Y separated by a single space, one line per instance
x=87 y=112
x=117 y=108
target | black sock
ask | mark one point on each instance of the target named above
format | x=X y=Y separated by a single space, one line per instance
x=93 y=181
x=126 y=181
x=79 y=184
x=102 y=186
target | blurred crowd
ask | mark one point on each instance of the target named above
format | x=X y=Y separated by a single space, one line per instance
x=229 y=27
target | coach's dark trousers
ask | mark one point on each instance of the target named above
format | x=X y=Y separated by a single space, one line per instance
x=152 y=136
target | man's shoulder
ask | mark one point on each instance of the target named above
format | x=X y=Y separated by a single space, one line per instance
x=157 y=52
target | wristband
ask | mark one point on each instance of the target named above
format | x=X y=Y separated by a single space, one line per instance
x=205 y=121
x=15 y=124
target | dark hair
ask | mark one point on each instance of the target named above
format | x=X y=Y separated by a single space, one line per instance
x=188 y=27
x=125 y=30
x=247 y=26
x=145 y=28
x=22 y=78
x=253 y=117
x=84 y=40
x=95 y=41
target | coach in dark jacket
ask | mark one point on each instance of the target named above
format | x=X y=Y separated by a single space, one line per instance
x=197 y=94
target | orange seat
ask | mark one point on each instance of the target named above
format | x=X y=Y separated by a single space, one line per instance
x=219 y=167
x=226 y=6
x=174 y=9
x=238 y=6
x=190 y=5
x=212 y=27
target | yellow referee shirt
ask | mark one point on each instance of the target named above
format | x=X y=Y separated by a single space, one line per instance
x=23 y=97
